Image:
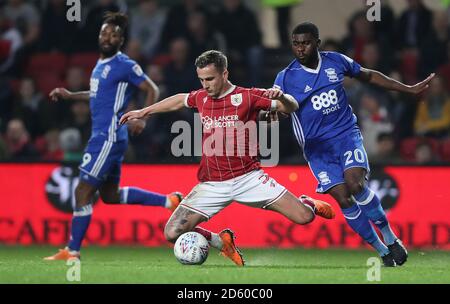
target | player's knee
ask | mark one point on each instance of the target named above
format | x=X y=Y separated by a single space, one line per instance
x=355 y=186
x=79 y=192
x=343 y=198
x=345 y=202
x=171 y=234
x=81 y=197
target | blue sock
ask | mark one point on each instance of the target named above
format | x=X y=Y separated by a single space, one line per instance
x=360 y=223
x=80 y=223
x=136 y=196
x=370 y=204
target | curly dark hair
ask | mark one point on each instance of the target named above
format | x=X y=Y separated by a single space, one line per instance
x=118 y=19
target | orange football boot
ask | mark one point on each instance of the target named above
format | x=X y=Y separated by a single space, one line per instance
x=175 y=199
x=63 y=255
x=321 y=208
x=229 y=249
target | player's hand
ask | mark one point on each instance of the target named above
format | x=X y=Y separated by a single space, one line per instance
x=59 y=93
x=136 y=126
x=421 y=86
x=136 y=114
x=273 y=93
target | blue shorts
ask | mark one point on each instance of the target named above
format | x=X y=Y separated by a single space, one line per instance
x=329 y=159
x=102 y=161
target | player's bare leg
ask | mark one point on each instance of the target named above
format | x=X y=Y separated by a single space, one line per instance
x=184 y=220
x=84 y=193
x=111 y=193
x=301 y=211
x=341 y=195
x=181 y=221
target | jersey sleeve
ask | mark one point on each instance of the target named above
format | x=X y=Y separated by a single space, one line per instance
x=279 y=83
x=351 y=67
x=259 y=102
x=191 y=99
x=135 y=73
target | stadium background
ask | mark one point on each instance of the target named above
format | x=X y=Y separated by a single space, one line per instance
x=41 y=142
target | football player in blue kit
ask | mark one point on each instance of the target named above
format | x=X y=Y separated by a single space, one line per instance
x=325 y=127
x=113 y=81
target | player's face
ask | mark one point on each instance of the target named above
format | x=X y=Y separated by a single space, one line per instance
x=212 y=80
x=110 y=39
x=304 y=47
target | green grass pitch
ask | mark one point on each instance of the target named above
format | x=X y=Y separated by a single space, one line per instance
x=158 y=265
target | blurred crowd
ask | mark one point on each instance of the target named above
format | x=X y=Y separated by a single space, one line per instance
x=40 y=50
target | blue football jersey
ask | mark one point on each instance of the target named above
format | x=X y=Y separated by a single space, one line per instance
x=112 y=84
x=323 y=112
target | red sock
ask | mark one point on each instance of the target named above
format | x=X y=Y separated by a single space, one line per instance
x=204 y=232
x=309 y=203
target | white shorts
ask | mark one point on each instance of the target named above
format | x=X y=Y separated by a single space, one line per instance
x=254 y=189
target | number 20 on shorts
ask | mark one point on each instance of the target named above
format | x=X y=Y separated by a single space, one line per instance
x=358 y=156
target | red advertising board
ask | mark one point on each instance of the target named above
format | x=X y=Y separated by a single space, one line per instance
x=36 y=201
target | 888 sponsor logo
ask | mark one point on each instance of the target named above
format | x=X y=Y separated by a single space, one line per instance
x=326 y=101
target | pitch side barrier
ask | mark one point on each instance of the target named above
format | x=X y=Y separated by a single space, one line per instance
x=37 y=201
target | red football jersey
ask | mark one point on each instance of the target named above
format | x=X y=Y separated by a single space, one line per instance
x=229 y=141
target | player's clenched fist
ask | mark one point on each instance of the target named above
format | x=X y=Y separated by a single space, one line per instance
x=58 y=93
x=136 y=114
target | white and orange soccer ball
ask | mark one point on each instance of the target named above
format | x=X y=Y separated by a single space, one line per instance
x=191 y=248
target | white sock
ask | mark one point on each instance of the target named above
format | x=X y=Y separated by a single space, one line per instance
x=216 y=241
x=72 y=252
x=168 y=202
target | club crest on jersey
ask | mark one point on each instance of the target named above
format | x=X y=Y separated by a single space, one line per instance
x=332 y=76
x=324 y=178
x=106 y=71
x=236 y=99
x=93 y=87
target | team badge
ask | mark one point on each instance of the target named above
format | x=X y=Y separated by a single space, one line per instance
x=236 y=99
x=138 y=70
x=332 y=76
x=324 y=178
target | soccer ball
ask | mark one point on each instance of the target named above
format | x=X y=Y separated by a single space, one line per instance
x=191 y=248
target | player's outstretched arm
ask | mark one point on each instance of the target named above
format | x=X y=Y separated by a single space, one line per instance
x=63 y=93
x=379 y=79
x=285 y=102
x=136 y=126
x=169 y=104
